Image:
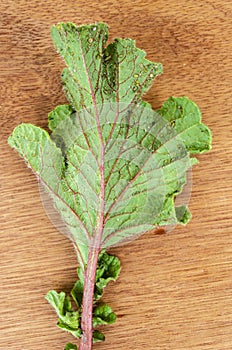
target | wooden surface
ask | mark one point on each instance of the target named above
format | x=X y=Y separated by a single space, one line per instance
x=175 y=290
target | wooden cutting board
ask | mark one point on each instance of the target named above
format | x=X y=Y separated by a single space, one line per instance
x=175 y=289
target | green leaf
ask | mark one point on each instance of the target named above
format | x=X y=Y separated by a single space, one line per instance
x=58 y=115
x=146 y=154
x=82 y=49
x=46 y=160
x=69 y=320
x=185 y=117
x=112 y=166
x=103 y=314
x=70 y=346
x=32 y=142
x=98 y=336
x=108 y=270
x=76 y=332
x=57 y=301
x=183 y=214
x=77 y=292
x=95 y=74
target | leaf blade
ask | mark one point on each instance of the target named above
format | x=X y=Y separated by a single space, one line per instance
x=145 y=154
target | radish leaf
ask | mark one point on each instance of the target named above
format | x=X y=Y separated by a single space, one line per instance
x=112 y=166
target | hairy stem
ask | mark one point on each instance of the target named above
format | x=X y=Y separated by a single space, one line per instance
x=87 y=305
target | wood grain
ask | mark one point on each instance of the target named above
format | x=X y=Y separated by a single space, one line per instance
x=175 y=290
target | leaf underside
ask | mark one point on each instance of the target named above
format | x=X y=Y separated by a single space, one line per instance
x=144 y=154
